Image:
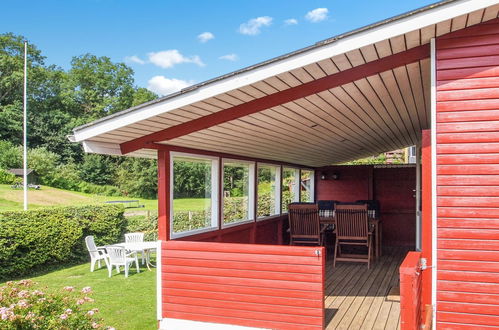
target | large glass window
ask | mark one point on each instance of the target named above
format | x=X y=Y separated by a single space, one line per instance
x=290 y=187
x=194 y=193
x=307 y=186
x=268 y=190
x=238 y=191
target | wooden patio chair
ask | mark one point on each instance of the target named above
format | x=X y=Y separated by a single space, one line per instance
x=304 y=224
x=352 y=228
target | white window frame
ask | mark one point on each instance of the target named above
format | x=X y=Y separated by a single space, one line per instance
x=296 y=188
x=312 y=184
x=251 y=192
x=277 y=193
x=215 y=184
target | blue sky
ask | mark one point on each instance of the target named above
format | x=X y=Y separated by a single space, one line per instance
x=161 y=40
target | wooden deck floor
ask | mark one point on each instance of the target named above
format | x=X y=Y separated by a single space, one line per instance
x=358 y=298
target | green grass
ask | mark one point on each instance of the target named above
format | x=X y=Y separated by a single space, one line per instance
x=12 y=200
x=124 y=303
x=190 y=204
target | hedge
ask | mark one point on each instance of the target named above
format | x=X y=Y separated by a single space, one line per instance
x=31 y=240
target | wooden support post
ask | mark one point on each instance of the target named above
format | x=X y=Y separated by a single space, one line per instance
x=164 y=195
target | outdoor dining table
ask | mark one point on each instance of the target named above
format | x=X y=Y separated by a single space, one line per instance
x=146 y=246
x=373 y=221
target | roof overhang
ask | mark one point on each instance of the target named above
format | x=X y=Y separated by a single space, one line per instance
x=357 y=94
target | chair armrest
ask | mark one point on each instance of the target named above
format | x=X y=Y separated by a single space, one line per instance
x=131 y=253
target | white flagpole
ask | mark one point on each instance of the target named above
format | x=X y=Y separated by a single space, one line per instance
x=25 y=132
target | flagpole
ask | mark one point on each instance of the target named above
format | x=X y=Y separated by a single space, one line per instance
x=25 y=132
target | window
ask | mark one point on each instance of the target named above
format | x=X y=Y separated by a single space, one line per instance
x=290 y=187
x=238 y=191
x=195 y=193
x=269 y=178
x=307 y=186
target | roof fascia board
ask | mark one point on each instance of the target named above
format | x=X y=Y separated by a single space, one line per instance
x=336 y=47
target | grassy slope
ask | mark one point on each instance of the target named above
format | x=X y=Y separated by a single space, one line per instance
x=124 y=303
x=12 y=199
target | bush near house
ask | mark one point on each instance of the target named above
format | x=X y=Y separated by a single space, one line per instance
x=31 y=240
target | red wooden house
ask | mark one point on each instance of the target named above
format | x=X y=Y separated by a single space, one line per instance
x=428 y=78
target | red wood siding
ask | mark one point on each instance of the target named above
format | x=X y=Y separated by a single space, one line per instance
x=468 y=177
x=266 y=231
x=393 y=187
x=410 y=292
x=278 y=287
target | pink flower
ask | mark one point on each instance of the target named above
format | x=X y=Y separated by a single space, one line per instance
x=25 y=282
x=69 y=288
x=90 y=313
x=111 y=328
x=23 y=294
x=88 y=299
x=22 y=303
x=95 y=325
x=37 y=293
x=64 y=316
x=86 y=289
x=69 y=311
x=80 y=301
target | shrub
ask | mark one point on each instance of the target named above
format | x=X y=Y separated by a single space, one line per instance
x=90 y=188
x=6 y=177
x=24 y=307
x=10 y=155
x=44 y=163
x=64 y=176
x=30 y=240
x=147 y=224
x=235 y=209
x=185 y=220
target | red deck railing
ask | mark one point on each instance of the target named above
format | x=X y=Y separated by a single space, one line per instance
x=267 y=286
x=410 y=292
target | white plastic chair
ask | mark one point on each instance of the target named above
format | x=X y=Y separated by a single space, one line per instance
x=118 y=257
x=96 y=253
x=136 y=238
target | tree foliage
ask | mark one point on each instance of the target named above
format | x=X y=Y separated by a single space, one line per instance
x=59 y=101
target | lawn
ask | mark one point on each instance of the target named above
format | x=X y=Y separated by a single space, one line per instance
x=124 y=303
x=12 y=200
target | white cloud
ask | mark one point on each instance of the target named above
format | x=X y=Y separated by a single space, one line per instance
x=164 y=86
x=252 y=27
x=134 y=59
x=169 y=58
x=205 y=36
x=229 y=57
x=317 y=15
x=291 y=21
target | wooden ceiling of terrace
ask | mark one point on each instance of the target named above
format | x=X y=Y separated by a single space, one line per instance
x=382 y=112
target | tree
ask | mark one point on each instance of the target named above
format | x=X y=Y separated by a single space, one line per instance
x=98 y=169
x=11 y=83
x=99 y=86
x=138 y=177
x=143 y=95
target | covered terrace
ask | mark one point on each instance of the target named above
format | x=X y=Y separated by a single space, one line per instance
x=288 y=120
